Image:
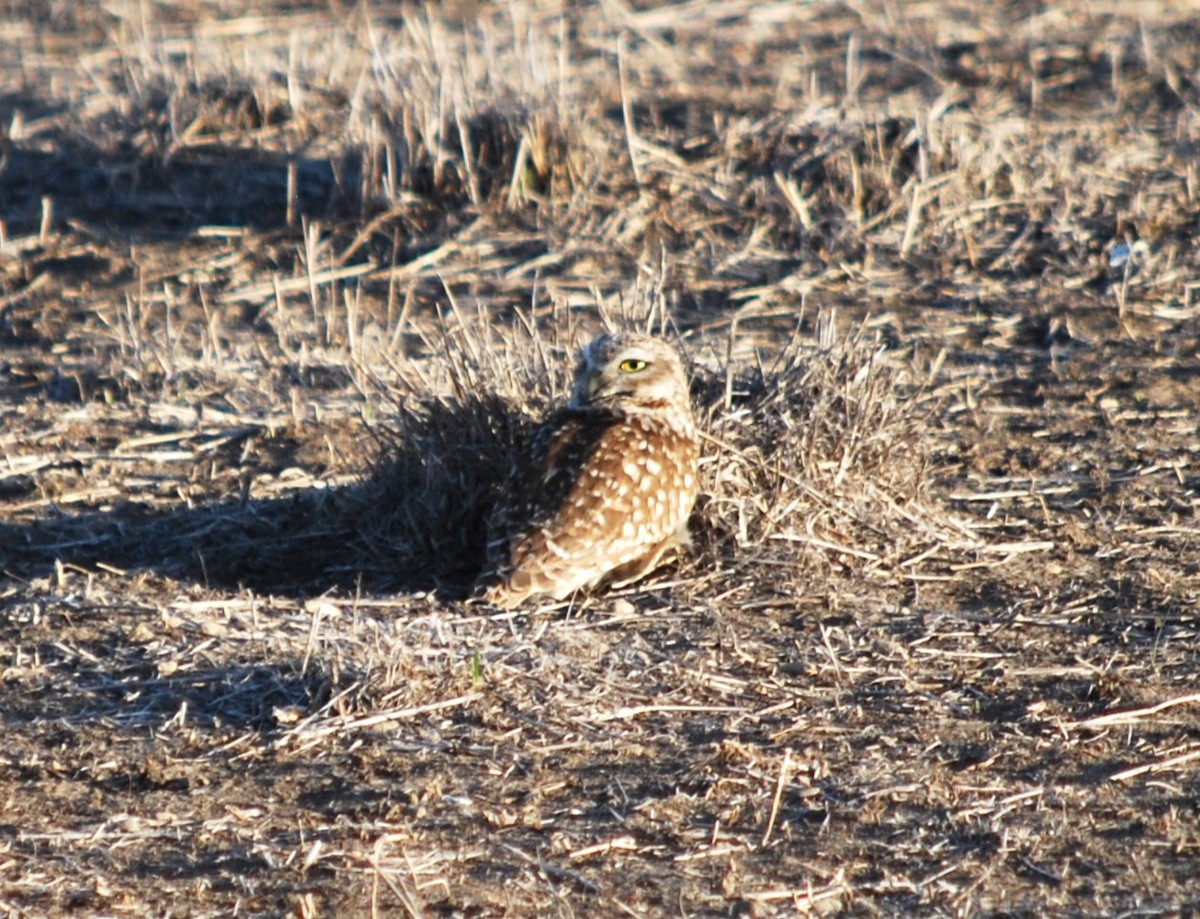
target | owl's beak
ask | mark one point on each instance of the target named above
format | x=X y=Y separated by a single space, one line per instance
x=593 y=385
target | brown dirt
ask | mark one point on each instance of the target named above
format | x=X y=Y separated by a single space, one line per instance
x=281 y=288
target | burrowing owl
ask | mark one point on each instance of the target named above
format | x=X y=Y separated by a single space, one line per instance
x=606 y=485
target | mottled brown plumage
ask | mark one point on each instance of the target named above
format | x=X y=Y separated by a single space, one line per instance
x=604 y=490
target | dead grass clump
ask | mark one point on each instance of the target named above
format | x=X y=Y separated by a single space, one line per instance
x=449 y=430
x=815 y=454
x=424 y=508
x=817 y=460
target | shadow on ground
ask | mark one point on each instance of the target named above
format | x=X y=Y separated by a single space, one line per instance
x=134 y=181
x=416 y=521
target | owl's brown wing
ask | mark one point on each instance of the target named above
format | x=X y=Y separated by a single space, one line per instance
x=542 y=480
x=597 y=491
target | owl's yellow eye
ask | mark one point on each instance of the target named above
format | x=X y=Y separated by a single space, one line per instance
x=632 y=365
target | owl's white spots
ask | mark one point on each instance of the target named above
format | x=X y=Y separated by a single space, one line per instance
x=604 y=490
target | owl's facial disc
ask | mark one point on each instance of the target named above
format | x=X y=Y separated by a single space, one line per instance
x=628 y=371
x=612 y=377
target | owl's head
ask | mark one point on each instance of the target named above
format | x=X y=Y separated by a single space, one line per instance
x=630 y=371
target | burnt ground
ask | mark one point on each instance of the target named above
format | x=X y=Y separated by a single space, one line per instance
x=281 y=287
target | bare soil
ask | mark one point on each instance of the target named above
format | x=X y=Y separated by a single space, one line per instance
x=282 y=285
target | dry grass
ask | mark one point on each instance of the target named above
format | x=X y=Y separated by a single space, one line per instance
x=281 y=288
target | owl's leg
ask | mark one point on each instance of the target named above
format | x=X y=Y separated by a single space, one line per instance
x=511 y=591
x=546 y=581
x=644 y=564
